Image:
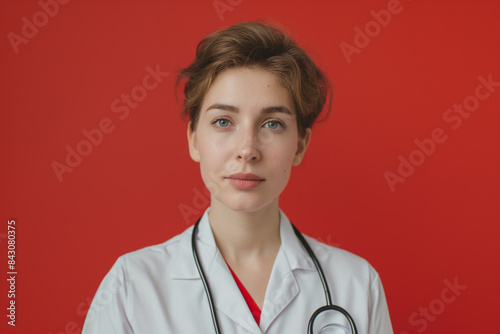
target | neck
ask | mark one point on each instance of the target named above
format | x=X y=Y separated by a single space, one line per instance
x=244 y=237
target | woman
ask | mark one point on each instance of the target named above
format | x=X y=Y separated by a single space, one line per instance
x=252 y=96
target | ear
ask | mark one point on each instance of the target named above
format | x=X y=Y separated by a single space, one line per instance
x=302 y=145
x=194 y=152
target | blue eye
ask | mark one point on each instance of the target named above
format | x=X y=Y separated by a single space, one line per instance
x=222 y=122
x=274 y=125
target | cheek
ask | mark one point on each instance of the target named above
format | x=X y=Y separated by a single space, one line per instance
x=283 y=162
x=208 y=146
x=215 y=158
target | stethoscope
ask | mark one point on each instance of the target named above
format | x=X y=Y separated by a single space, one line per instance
x=328 y=307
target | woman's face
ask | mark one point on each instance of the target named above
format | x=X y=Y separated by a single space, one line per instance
x=248 y=125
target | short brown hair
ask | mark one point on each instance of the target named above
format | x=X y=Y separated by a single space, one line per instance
x=251 y=44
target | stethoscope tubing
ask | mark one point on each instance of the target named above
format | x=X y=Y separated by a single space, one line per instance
x=319 y=269
x=203 y=279
x=329 y=305
x=322 y=309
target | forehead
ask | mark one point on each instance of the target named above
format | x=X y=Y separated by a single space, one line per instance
x=245 y=87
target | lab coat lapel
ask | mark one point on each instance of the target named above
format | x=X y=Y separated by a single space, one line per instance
x=281 y=290
x=227 y=297
x=282 y=287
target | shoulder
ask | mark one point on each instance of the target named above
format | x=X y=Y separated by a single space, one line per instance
x=336 y=260
x=153 y=258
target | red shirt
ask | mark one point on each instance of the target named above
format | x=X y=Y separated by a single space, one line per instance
x=250 y=302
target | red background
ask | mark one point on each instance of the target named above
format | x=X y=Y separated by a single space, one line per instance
x=442 y=223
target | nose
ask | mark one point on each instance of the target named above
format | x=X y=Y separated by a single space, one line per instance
x=247 y=148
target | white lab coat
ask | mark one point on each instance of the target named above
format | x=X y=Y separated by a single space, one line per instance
x=157 y=289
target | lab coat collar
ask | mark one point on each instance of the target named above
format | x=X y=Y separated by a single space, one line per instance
x=282 y=287
x=185 y=268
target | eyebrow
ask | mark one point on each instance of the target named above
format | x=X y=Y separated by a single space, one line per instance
x=266 y=110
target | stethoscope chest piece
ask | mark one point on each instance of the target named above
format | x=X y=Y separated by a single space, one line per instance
x=331 y=319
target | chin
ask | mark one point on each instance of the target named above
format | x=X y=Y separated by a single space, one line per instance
x=246 y=204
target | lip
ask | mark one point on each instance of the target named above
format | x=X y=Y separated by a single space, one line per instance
x=245 y=181
x=245 y=176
